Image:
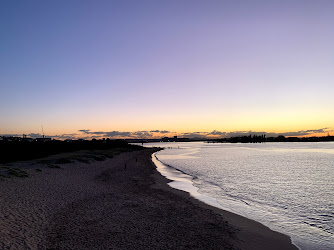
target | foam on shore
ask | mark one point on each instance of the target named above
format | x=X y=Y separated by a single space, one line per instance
x=182 y=181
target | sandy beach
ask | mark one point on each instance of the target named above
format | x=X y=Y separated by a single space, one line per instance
x=117 y=203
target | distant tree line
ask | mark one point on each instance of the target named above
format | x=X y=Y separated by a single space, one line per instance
x=243 y=139
x=263 y=138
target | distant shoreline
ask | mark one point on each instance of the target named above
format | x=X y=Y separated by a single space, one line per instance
x=252 y=138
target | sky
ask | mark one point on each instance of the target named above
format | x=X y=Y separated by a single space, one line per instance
x=160 y=68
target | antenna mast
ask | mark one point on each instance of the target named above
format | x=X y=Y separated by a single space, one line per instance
x=42 y=130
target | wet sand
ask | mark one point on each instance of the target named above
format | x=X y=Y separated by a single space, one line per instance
x=118 y=203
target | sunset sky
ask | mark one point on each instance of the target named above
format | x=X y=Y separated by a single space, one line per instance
x=155 y=68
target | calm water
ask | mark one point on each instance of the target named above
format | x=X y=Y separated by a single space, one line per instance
x=286 y=186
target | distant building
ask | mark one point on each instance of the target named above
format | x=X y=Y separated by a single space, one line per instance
x=165 y=139
x=27 y=139
x=11 y=138
x=174 y=139
x=43 y=139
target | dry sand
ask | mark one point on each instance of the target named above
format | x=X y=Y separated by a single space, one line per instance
x=119 y=203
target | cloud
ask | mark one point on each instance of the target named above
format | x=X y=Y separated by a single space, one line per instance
x=123 y=134
x=117 y=134
x=296 y=133
x=160 y=131
x=322 y=130
x=142 y=134
x=303 y=132
x=9 y=135
x=38 y=135
x=34 y=135
x=86 y=131
x=215 y=132
x=97 y=133
x=165 y=132
x=66 y=136
x=194 y=135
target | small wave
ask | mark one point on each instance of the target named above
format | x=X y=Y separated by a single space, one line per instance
x=234 y=197
x=326 y=215
x=319 y=227
x=194 y=177
x=182 y=183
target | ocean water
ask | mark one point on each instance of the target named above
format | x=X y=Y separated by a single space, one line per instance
x=288 y=187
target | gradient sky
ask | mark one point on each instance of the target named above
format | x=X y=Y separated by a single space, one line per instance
x=181 y=66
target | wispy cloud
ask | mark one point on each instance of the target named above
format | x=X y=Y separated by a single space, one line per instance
x=117 y=134
x=124 y=134
x=306 y=132
x=216 y=133
x=66 y=136
x=142 y=134
x=160 y=131
x=113 y=134
x=9 y=135
x=35 y=135
x=194 y=134
x=86 y=131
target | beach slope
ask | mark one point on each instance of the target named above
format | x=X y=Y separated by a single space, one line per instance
x=118 y=203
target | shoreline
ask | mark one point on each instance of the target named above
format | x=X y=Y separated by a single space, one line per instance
x=253 y=234
x=117 y=203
